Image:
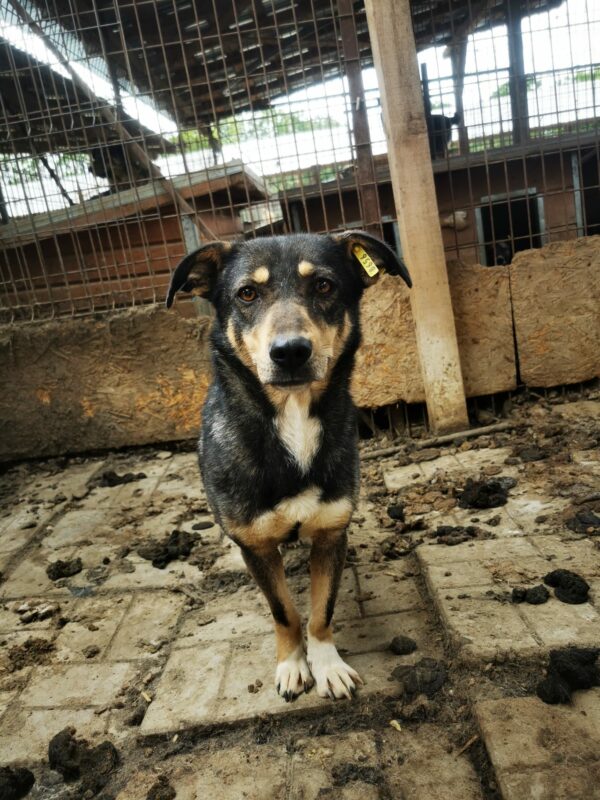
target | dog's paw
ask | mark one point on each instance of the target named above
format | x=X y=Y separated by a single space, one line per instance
x=334 y=678
x=292 y=676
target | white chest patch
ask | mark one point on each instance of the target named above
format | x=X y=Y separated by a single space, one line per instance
x=299 y=432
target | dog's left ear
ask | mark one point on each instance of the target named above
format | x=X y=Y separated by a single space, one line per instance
x=370 y=255
x=198 y=271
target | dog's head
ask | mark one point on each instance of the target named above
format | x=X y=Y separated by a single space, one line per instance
x=287 y=304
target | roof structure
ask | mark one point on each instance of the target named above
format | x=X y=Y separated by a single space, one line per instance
x=41 y=111
x=238 y=182
x=200 y=60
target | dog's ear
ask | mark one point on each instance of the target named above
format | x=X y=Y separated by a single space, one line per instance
x=198 y=271
x=369 y=254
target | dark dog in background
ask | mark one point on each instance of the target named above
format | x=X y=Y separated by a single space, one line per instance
x=439 y=131
x=278 y=449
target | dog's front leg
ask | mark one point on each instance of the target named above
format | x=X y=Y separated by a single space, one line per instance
x=292 y=676
x=334 y=678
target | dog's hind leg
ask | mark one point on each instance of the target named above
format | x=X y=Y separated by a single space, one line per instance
x=292 y=676
x=334 y=678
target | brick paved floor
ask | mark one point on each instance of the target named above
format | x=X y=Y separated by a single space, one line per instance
x=189 y=648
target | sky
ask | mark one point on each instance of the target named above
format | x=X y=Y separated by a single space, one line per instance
x=562 y=40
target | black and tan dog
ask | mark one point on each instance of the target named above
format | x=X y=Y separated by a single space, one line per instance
x=278 y=450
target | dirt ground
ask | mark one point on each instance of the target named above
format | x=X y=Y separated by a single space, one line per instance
x=131 y=630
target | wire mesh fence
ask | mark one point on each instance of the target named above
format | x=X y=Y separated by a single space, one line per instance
x=130 y=131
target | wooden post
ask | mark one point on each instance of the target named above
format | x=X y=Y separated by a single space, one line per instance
x=517 y=79
x=395 y=56
x=365 y=172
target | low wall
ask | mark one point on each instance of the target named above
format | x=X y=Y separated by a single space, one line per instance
x=72 y=385
x=556 y=301
x=140 y=376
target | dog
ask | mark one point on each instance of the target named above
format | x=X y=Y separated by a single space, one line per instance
x=278 y=448
x=439 y=131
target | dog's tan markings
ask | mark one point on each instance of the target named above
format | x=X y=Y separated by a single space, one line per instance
x=305 y=268
x=307 y=508
x=260 y=275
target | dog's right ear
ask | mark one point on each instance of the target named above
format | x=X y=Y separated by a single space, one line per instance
x=198 y=271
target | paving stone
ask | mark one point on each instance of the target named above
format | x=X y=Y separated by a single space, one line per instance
x=5 y=699
x=401 y=477
x=89 y=684
x=188 y=689
x=145 y=576
x=560 y=624
x=103 y=614
x=525 y=509
x=255 y=660
x=482 y=627
x=152 y=617
x=375 y=634
x=573 y=554
x=383 y=590
x=421 y=765
x=455 y=575
x=483 y=550
x=553 y=784
x=237 y=774
x=78 y=525
x=475 y=460
x=26 y=732
x=318 y=765
x=242 y=615
x=29 y=576
x=506 y=527
x=447 y=463
x=523 y=733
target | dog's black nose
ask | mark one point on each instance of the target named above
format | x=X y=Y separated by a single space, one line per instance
x=290 y=353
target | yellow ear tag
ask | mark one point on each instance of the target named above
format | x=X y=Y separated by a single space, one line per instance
x=366 y=262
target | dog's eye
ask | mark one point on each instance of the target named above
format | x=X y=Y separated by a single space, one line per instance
x=247 y=294
x=323 y=286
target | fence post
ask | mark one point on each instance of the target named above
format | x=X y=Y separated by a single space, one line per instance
x=395 y=57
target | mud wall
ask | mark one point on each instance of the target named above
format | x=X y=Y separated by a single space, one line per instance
x=388 y=368
x=79 y=384
x=556 y=301
x=140 y=376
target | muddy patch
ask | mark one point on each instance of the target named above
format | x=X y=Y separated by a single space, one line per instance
x=569 y=670
x=15 y=783
x=161 y=790
x=535 y=595
x=175 y=547
x=31 y=652
x=486 y=494
x=569 y=587
x=110 y=478
x=76 y=760
x=64 y=569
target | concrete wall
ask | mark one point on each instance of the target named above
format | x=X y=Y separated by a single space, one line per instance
x=140 y=376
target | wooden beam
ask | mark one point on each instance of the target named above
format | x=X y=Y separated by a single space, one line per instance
x=395 y=57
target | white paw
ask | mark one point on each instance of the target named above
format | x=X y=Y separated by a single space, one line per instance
x=292 y=676
x=334 y=678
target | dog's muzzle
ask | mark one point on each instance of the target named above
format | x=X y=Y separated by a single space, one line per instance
x=290 y=357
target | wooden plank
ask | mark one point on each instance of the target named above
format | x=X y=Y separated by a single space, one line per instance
x=395 y=58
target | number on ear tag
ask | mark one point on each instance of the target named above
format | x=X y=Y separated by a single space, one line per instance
x=365 y=260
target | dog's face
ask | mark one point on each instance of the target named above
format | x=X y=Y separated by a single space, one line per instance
x=287 y=304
